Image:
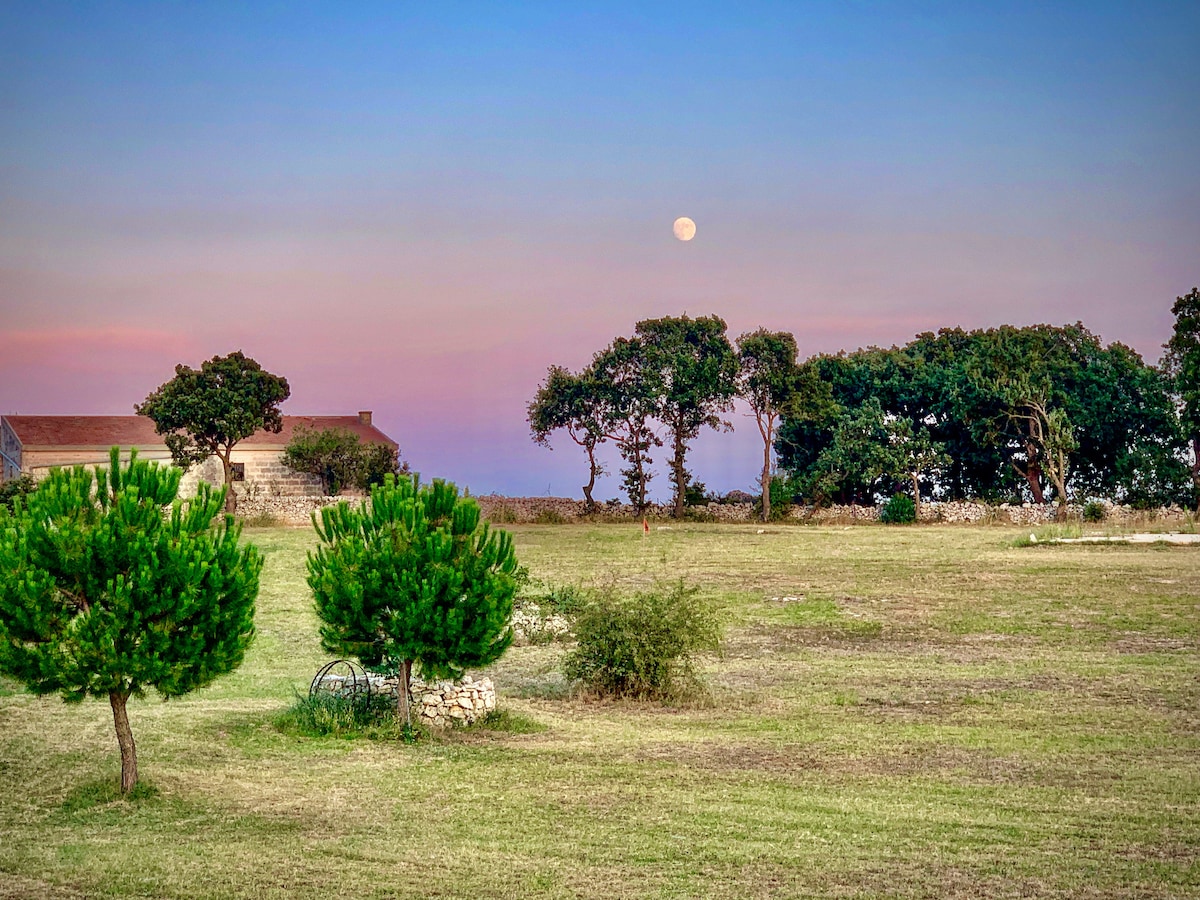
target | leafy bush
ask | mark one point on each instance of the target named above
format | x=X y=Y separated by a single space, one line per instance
x=16 y=487
x=340 y=459
x=644 y=645
x=697 y=494
x=1094 y=511
x=899 y=510
x=783 y=495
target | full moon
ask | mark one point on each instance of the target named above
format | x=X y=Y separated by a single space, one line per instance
x=685 y=228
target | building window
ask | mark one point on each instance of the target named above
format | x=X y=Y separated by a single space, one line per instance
x=238 y=471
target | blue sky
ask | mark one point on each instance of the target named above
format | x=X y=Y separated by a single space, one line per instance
x=419 y=208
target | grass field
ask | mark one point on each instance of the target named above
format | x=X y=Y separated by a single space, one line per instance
x=931 y=712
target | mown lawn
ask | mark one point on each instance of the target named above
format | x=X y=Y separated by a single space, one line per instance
x=909 y=712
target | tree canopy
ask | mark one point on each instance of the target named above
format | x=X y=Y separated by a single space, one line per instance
x=693 y=369
x=574 y=403
x=110 y=585
x=961 y=386
x=206 y=412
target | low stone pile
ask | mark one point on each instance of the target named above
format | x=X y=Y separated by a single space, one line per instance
x=533 y=625
x=437 y=703
x=442 y=703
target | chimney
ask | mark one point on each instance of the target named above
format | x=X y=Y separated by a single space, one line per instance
x=364 y=417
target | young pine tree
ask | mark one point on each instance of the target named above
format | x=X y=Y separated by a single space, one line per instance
x=110 y=585
x=413 y=576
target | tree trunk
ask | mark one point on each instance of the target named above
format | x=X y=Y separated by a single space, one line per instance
x=592 y=467
x=766 y=480
x=404 y=693
x=129 y=775
x=230 y=496
x=917 y=495
x=680 y=478
x=1196 y=469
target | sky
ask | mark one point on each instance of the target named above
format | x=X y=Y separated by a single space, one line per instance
x=417 y=209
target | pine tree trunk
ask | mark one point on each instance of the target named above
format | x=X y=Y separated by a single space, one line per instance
x=917 y=496
x=129 y=773
x=404 y=693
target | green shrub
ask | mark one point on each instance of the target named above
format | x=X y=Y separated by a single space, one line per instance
x=16 y=487
x=1094 y=511
x=550 y=517
x=328 y=715
x=899 y=510
x=644 y=645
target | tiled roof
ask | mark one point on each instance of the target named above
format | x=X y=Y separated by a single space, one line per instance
x=42 y=432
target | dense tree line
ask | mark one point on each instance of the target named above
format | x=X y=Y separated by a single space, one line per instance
x=1039 y=413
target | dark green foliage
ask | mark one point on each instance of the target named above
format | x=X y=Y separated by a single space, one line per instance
x=697 y=495
x=207 y=412
x=1182 y=366
x=644 y=645
x=102 y=595
x=339 y=458
x=413 y=576
x=376 y=462
x=899 y=510
x=1094 y=511
x=783 y=491
x=958 y=386
x=16 y=487
x=855 y=460
x=332 y=454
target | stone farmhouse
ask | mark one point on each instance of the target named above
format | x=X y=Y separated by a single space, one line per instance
x=34 y=444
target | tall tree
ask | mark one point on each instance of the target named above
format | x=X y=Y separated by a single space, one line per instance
x=914 y=453
x=628 y=391
x=207 y=412
x=1182 y=364
x=572 y=402
x=767 y=374
x=413 y=577
x=104 y=595
x=694 y=369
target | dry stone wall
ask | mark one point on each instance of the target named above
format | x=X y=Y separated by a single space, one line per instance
x=561 y=509
x=297 y=510
x=437 y=703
